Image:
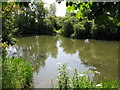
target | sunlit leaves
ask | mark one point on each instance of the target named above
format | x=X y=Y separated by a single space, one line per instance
x=70 y=8
x=81 y=8
x=8 y=23
x=9 y=9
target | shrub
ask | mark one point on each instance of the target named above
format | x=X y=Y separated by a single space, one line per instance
x=79 y=31
x=68 y=25
x=63 y=78
x=68 y=28
x=16 y=73
x=108 y=32
x=82 y=30
x=99 y=33
x=105 y=31
x=48 y=28
x=59 y=23
x=54 y=21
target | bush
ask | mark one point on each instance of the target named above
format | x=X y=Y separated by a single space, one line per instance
x=107 y=31
x=54 y=21
x=79 y=31
x=48 y=28
x=68 y=28
x=80 y=80
x=82 y=30
x=59 y=23
x=16 y=73
x=68 y=25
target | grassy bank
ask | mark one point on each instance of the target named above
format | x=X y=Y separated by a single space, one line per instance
x=16 y=73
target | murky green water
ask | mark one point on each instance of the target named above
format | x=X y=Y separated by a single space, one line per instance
x=46 y=51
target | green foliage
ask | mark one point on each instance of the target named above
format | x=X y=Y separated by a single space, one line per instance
x=21 y=4
x=107 y=31
x=80 y=80
x=99 y=11
x=3 y=48
x=79 y=31
x=49 y=27
x=34 y=21
x=63 y=78
x=25 y=23
x=82 y=30
x=68 y=26
x=92 y=21
x=8 y=23
x=102 y=13
x=53 y=20
x=16 y=73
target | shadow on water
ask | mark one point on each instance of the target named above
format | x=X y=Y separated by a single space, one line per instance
x=46 y=51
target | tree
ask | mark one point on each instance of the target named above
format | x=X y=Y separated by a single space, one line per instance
x=106 y=15
x=52 y=9
x=8 y=22
x=99 y=11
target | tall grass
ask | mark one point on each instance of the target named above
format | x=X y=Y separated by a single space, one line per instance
x=16 y=73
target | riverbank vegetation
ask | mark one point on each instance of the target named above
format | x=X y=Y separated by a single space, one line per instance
x=22 y=19
x=79 y=80
x=16 y=73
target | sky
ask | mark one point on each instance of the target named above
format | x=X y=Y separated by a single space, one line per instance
x=60 y=8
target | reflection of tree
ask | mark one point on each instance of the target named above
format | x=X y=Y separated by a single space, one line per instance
x=103 y=56
x=100 y=54
x=68 y=45
x=37 y=49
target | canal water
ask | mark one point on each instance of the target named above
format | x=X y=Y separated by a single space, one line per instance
x=45 y=52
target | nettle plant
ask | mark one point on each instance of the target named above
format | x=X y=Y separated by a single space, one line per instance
x=79 y=80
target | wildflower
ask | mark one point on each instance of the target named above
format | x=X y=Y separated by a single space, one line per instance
x=98 y=85
x=69 y=68
x=58 y=64
x=97 y=72
x=80 y=75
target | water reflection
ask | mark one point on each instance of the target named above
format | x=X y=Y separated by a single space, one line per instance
x=36 y=49
x=103 y=55
x=46 y=51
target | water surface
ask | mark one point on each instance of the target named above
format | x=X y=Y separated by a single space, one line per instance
x=46 y=51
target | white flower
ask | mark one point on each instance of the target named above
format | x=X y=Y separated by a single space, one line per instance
x=98 y=85
x=69 y=68
x=97 y=72
x=80 y=75
x=58 y=64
